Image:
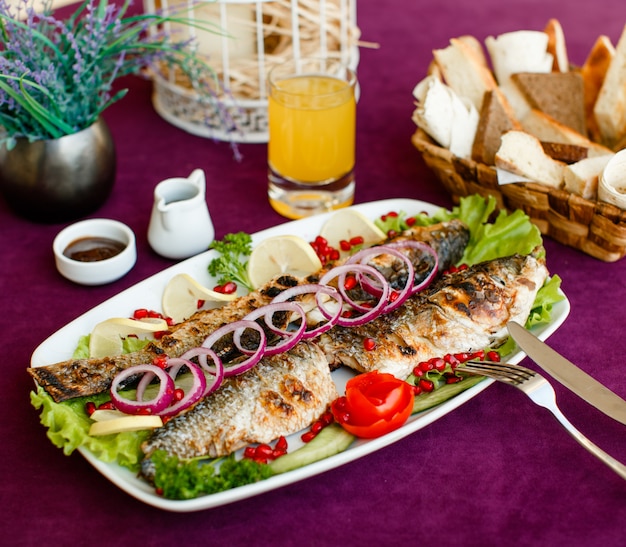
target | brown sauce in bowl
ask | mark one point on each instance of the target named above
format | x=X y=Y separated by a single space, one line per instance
x=93 y=249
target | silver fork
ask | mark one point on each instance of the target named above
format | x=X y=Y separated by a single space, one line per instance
x=541 y=393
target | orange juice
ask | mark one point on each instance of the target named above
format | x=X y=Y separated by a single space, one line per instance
x=312 y=122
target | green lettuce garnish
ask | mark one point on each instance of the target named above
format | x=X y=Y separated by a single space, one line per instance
x=68 y=428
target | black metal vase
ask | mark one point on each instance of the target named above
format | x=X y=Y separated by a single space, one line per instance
x=59 y=180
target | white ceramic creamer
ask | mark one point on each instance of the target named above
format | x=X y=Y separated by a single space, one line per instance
x=180 y=224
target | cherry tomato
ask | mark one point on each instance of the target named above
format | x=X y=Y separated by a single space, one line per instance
x=375 y=404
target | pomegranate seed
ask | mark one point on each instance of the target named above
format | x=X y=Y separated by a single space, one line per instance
x=166 y=419
x=90 y=408
x=357 y=240
x=154 y=314
x=439 y=364
x=393 y=296
x=141 y=313
x=350 y=283
x=160 y=361
x=144 y=412
x=480 y=354
x=199 y=303
x=321 y=241
x=344 y=245
x=392 y=214
x=334 y=255
x=410 y=221
x=317 y=426
x=493 y=356
x=158 y=491
x=108 y=405
x=263 y=451
x=160 y=334
x=229 y=288
x=249 y=452
x=426 y=385
x=178 y=394
x=281 y=444
x=218 y=288
x=369 y=344
x=169 y=321
x=307 y=437
x=417 y=371
x=391 y=234
x=327 y=418
x=452 y=378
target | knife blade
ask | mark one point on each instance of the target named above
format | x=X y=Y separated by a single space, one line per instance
x=568 y=374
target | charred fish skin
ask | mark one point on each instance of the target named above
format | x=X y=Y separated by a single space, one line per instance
x=464 y=311
x=281 y=395
x=85 y=377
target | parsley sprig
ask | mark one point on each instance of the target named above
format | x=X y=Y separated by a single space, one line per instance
x=188 y=479
x=232 y=263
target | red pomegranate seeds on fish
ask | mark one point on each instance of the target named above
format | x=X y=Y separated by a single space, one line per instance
x=369 y=344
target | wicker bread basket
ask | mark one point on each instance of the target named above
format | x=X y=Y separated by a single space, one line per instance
x=596 y=228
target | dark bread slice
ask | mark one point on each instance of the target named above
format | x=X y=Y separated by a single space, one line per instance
x=496 y=118
x=558 y=94
x=567 y=153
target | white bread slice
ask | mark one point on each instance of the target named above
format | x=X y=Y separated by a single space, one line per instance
x=556 y=45
x=522 y=154
x=610 y=107
x=593 y=72
x=547 y=129
x=518 y=51
x=464 y=70
x=558 y=94
x=449 y=119
x=433 y=112
x=581 y=178
x=496 y=118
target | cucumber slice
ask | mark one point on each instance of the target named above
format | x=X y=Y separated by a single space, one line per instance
x=445 y=392
x=329 y=441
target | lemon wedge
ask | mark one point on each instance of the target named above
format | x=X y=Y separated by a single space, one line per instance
x=181 y=295
x=349 y=223
x=125 y=423
x=106 y=337
x=281 y=255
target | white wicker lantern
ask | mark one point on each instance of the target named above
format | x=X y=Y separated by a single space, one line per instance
x=251 y=36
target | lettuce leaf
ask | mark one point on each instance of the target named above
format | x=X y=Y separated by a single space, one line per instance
x=68 y=428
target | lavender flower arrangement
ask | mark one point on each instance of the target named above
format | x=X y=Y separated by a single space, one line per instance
x=56 y=76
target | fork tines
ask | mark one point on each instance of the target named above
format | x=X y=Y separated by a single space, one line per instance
x=503 y=372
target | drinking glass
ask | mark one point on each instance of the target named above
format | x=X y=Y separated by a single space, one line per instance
x=312 y=126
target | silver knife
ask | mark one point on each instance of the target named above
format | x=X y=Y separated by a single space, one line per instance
x=567 y=373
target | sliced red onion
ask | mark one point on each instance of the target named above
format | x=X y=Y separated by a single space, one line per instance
x=331 y=316
x=289 y=338
x=364 y=255
x=162 y=399
x=426 y=249
x=193 y=394
x=238 y=328
x=367 y=313
x=216 y=371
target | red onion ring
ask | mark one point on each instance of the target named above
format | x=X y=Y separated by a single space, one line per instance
x=331 y=317
x=193 y=394
x=162 y=399
x=289 y=338
x=238 y=328
x=217 y=371
x=362 y=257
x=368 y=313
x=426 y=249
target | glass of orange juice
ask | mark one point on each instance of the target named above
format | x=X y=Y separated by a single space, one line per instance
x=312 y=127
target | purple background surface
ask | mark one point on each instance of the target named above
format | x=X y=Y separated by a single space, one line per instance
x=499 y=469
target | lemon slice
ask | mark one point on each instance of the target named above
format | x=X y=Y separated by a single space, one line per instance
x=181 y=295
x=101 y=415
x=349 y=223
x=280 y=255
x=126 y=423
x=106 y=337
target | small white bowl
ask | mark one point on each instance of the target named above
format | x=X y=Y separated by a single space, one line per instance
x=98 y=272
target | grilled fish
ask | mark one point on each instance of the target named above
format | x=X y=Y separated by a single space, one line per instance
x=84 y=377
x=462 y=311
x=279 y=396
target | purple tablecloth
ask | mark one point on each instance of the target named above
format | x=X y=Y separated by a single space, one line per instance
x=499 y=469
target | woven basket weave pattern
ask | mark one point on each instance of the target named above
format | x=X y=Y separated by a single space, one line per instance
x=595 y=228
